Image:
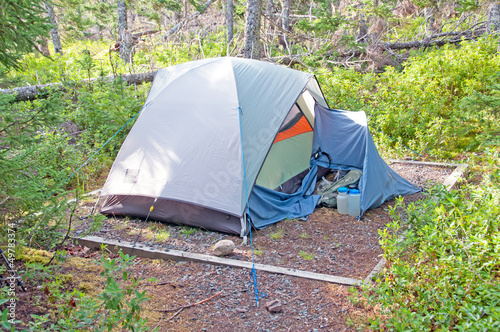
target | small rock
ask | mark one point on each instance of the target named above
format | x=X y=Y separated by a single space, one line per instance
x=274 y=306
x=241 y=310
x=224 y=247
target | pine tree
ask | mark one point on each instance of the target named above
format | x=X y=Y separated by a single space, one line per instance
x=23 y=23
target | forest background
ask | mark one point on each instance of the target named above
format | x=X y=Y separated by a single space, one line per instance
x=74 y=74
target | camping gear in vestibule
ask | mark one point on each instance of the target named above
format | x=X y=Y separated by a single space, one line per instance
x=328 y=200
x=324 y=183
x=352 y=177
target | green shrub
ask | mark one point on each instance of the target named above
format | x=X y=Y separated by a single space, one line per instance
x=440 y=104
x=118 y=304
x=445 y=273
x=39 y=157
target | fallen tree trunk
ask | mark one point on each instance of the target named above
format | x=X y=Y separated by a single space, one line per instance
x=436 y=40
x=32 y=92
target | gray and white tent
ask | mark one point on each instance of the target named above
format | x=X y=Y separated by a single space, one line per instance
x=218 y=135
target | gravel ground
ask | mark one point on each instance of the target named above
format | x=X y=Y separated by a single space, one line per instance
x=326 y=243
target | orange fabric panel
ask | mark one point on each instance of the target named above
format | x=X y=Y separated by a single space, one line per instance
x=302 y=126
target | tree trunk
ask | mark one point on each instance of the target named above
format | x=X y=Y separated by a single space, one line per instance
x=124 y=36
x=230 y=22
x=285 y=24
x=494 y=18
x=54 y=32
x=251 y=50
x=363 y=31
x=269 y=13
x=494 y=21
x=122 y=17
x=43 y=47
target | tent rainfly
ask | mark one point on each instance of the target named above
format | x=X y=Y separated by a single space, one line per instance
x=216 y=135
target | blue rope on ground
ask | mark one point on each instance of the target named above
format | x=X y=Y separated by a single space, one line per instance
x=95 y=153
x=254 y=272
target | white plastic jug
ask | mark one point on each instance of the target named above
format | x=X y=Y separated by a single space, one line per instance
x=342 y=200
x=353 y=203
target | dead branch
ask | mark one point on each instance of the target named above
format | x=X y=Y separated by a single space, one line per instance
x=144 y=33
x=67 y=232
x=179 y=309
x=179 y=25
x=288 y=33
x=288 y=60
x=5 y=200
x=165 y=283
x=21 y=124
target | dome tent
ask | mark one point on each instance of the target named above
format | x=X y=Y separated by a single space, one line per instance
x=215 y=131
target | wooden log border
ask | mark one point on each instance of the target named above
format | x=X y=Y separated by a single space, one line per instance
x=177 y=255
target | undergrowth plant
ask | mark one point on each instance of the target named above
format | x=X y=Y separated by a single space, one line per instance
x=307 y=256
x=440 y=104
x=48 y=146
x=276 y=235
x=444 y=273
x=118 y=305
x=186 y=230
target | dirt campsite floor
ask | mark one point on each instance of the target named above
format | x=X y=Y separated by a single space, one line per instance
x=326 y=243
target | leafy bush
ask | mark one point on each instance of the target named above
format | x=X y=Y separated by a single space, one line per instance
x=117 y=305
x=43 y=144
x=444 y=274
x=421 y=106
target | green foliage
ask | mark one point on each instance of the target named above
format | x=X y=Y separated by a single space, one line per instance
x=186 y=231
x=421 y=105
x=484 y=108
x=45 y=141
x=81 y=15
x=325 y=21
x=239 y=10
x=444 y=274
x=6 y=323
x=379 y=9
x=118 y=305
x=22 y=25
x=199 y=6
x=152 y=9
